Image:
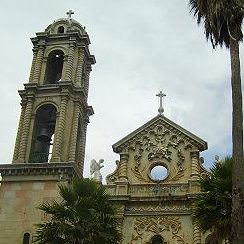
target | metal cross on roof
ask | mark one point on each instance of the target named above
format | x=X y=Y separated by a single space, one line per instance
x=69 y=13
x=161 y=95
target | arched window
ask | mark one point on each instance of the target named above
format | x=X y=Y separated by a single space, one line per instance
x=61 y=29
x=157 y=240
x=43 y=132
x=54 y=67
x=26 y=238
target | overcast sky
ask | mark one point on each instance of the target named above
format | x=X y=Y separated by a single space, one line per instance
x=141 y=47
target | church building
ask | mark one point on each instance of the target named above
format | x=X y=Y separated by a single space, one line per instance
x=50 y=149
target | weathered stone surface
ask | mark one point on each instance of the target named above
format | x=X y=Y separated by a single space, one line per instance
x=149 y=207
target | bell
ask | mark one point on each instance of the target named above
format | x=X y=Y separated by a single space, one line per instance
x=44 y=135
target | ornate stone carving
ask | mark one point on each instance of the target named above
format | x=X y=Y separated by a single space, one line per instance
x=111 y=178
x=157 y=225
x=139 y=174
x=177 y=135
x=159 y=208
x=174 y=141
x=158 y=190
x=179 y=170
x=160 y=153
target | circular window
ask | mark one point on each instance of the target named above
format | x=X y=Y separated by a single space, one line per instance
x=159 y=172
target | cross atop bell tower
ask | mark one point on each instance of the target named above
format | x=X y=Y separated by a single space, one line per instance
x=69 y=13
x=55 y=112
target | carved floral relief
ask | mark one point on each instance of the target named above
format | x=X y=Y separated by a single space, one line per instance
x=153 y=225
x=157 y=146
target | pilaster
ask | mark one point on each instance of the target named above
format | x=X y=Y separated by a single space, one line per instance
x=82 y=145
x=194 y=165
x=19 y=132
x=33 y=64
x=60 y=129
x=25 y=130
x=86 y=80
x=80 y=67
x=38 y=62
x=75 y=123
x=68 y=75
x=196 y=234
x=123 y=165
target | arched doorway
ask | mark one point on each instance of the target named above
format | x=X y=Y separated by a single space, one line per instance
x=157 y=240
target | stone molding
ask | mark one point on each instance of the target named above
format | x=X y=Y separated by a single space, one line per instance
x=169 y=125
x=29 y=169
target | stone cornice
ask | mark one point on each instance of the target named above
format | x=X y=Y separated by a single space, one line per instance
x=69 y=169
x=168 y=199
x=75 y=93
x=163 y=121
x=82 y=40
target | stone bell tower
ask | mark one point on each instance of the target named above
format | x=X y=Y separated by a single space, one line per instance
x=50 y=142
x=54 y=112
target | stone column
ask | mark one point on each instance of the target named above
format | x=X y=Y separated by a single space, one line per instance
x=38 y=63
x=82 y=145
x=196 y=234
x=86 y=80
x=69 y=67
x=123 y=165
x=194 y=165
x=33 y=64
x=56 y=157
x=20 y=127
x=73 y=142
x=25 y=130
x=80 y=67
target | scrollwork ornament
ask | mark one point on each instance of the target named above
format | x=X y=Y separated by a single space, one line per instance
x=160 y=153
x=156 y=225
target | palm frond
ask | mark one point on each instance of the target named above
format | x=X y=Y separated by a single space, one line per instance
x=212 y=207
x=222 y=19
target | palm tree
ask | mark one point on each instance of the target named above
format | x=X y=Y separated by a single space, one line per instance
x=223 y=22
x=212 y=208
x=85 y=215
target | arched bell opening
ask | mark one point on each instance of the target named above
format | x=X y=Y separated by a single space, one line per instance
x=157 y=240
x=43 y=134
x=54 y=67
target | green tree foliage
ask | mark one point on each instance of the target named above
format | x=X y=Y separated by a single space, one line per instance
x=212 y=208
x=85 y=215
x=223 y=20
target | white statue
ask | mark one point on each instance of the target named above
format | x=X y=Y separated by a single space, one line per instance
x=95 y=169
x=217 y=159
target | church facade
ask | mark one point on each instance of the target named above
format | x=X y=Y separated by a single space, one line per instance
x=50 y=147
x=157 y=210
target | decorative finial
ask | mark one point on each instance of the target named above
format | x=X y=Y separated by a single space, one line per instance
x=69 y=13
x=161 y=95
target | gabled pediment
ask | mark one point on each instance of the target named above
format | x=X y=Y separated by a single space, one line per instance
x=166 y=126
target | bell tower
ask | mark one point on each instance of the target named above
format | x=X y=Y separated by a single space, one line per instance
x=51 y=137
x=55 y=113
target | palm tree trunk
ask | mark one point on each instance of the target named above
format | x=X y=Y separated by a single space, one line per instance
x=237 y=216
